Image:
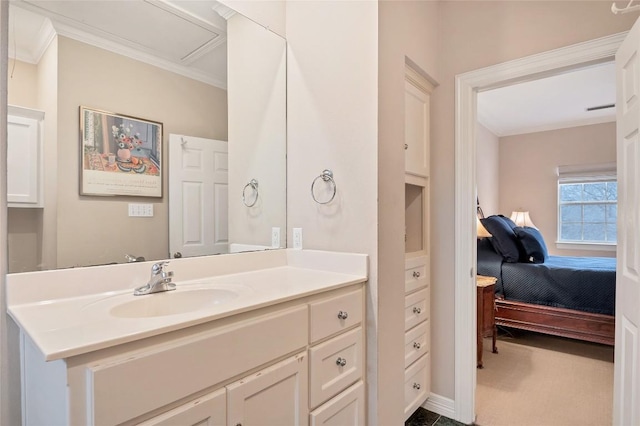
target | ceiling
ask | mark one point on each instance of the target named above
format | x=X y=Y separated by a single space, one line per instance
x=141 y=29
x=555 y=102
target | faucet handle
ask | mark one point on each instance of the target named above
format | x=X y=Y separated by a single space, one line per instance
x=159 y=267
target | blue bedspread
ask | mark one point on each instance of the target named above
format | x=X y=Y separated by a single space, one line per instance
x=582 y=283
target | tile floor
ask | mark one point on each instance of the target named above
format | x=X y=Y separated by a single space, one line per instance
x=424 y=417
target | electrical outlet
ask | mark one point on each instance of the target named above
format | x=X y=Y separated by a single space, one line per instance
x=297 y=238
x=275 y=237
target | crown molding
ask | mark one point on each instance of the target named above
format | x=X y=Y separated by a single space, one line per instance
x=46 y=34
x=125 y=49
x=225 y=12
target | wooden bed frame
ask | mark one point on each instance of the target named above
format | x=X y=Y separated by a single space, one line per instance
x=557 y=321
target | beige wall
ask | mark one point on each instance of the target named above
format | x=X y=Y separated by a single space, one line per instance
x=528 y=179
x=22 y=84
x=488 y=172
x=257 y=88
x=476 y=34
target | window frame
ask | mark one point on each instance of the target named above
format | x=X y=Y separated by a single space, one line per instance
x=573 y=177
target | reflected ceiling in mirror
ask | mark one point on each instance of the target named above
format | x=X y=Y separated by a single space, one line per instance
x=204 y=72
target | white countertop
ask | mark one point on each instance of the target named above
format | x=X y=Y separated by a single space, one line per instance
x=67 y=326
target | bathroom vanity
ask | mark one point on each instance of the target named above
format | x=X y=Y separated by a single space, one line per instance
x=280 y=342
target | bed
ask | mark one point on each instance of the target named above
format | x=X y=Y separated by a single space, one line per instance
x=565 y=296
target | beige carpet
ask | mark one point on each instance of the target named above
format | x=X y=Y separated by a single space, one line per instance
x=543 y=380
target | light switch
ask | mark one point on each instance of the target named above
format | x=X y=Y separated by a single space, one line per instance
x=140 y=210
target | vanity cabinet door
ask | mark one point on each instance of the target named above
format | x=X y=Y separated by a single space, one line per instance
x=276 y=395
x=209 y=410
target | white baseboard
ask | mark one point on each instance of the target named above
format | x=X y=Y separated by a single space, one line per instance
x=440 y=405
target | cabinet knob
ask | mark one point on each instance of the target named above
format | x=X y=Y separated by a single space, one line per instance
x=341 y=362
x=416 y=274
x=417 y=310
x=406 y=146
x=416 y=345
x=416 y=386
x=343 y=315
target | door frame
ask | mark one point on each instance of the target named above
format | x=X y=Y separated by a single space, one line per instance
x=467 y=86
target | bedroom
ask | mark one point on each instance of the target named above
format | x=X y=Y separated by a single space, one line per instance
x=522 y=160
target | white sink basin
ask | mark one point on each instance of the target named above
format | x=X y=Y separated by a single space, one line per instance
x=171 y=302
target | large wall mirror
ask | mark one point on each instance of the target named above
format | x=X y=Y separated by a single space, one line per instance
x=215 y=81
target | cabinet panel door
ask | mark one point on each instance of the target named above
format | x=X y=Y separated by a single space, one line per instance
x=276 y=395
x=346 y=409
x=416 y=130
x=209 y=410
x=23 y=160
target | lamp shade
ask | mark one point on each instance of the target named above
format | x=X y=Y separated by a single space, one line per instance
x=522 y=219
x=481 y=230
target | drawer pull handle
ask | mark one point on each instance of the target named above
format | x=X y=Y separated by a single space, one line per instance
x=343 y=315
x=417 y=310
x=406 y=146
x=416 y=345
x=341 y=362
x=416 y=386
x=416 y=274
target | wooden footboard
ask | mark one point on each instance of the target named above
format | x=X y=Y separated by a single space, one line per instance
x=557 y=321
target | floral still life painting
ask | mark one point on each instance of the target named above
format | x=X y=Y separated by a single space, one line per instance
x=121 y=155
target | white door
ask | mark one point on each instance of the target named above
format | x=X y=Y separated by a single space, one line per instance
x=198 y=196
x=626 y=409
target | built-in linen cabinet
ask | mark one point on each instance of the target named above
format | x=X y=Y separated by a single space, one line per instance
x=295 y=363
x=417 y=256
x=24 y=157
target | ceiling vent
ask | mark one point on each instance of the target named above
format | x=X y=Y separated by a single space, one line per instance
x=595 y=108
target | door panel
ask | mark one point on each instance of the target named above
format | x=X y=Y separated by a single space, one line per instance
x=626 y=411
x=198 y=196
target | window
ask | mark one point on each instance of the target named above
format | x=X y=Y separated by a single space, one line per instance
x=588 y=211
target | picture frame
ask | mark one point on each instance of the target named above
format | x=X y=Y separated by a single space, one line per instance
x=120 y=155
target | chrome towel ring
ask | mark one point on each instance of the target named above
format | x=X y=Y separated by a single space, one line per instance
x=326 y=176
x=254 y=186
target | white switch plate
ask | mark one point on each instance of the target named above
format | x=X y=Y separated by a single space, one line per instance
x=140 y=210
x=275 y=237
x=297 y=238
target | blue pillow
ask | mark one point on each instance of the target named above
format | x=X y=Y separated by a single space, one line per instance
x=535 y=250
x=504 y=240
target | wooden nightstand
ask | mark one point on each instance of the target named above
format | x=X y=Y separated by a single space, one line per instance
x=486 y=312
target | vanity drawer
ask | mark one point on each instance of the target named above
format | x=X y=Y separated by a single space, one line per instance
x=334 y=365
x=415 y=274
x=416 y=384
x=172 y=371
x=416 y=342
x=345 y=409
x=331 y=316
x=416 y=308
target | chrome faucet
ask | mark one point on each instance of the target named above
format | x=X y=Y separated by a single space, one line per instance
x=160 y=280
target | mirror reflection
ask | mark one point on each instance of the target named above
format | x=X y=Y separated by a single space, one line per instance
x=213 y=79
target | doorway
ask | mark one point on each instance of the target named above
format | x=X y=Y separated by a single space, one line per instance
x=467 y=87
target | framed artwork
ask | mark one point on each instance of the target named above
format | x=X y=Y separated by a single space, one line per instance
x=121 y=155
